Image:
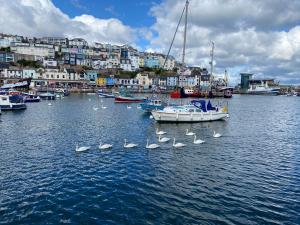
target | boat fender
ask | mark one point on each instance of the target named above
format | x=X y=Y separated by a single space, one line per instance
x=10 y=105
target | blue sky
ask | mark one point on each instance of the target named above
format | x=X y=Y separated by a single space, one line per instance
x=134 y=13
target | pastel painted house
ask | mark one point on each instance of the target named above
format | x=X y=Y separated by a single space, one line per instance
x=101 y=81
x=110 y=81
x=172 y=81
x=91 y=75
x=30 y=73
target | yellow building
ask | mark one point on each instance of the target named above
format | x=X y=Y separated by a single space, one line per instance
x=101 y=81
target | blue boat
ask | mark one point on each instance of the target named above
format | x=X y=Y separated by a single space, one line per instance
x=152 y=104
x=103 y=94
x=12 y=102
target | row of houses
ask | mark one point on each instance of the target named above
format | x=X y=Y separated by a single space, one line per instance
x=64 y=51
x=144 y=80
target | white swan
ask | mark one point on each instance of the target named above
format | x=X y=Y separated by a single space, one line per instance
x=103 y=107
x=95 y=108
x=82 y=149
x=129 y=107
x=160 y=132
x=49 y=104
x=178 y=145
x=151 y=146
x=104 y=146
x=199 y=141
x=164 y=139
x=187 y=133
x=129 y=145
x=216 y=135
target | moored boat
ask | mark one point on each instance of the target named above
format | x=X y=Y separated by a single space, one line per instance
x=198 y=111
x=103 y=94
x=185 y=93
x=263 y=89
x=152 y=104
x=31 y=98
x=128 y=99
x=12 y=102
x=47 y=96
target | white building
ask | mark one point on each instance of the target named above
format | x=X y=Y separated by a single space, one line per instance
x=125 y=65
x=79 y=42
x=37 y=50
x=144 y=80
x=53 y=40
x=49 y=63
x=30 y=73
x=134 y=60
x=55 y=74
x=12 y=73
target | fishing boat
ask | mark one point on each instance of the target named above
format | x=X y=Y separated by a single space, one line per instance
x=47 y=96
x=197 y=111
x=12 y=102
x=103 y=94
x=185 y=93
x=152 y=104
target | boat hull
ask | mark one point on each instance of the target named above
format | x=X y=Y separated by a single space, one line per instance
x=13 y=106
x=149 y=108
x=188 y=117
x=104 y=95
x=47 y=97
x=120 y=99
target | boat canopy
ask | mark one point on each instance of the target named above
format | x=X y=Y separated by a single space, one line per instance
x=209 y=106
x=200 y=104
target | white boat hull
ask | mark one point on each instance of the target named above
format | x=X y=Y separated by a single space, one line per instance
x=189 y=117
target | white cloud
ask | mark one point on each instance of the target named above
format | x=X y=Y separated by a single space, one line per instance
x=43 y=18
x=260 y=36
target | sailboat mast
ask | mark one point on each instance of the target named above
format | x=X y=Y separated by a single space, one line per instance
x=212 y=63
x=185 y=26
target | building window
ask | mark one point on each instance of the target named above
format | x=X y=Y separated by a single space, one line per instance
x=57 y=76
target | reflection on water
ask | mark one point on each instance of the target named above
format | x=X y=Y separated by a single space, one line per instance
x=251 y=175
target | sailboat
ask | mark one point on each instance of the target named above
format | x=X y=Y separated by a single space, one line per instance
x=197 y=111
x=182 y=92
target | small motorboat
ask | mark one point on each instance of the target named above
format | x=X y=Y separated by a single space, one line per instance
x=128 y=99
x=12 y=102
x=103 y=94
x=152 y=104
x=31 y=98
x=47 y=96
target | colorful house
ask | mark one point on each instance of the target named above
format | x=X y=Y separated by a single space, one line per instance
x=172 y=81
x=101 y=80
x=91 y=75
x=110 y=81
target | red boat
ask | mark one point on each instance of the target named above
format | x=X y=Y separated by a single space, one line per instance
x=188 y=93
x=128 y=99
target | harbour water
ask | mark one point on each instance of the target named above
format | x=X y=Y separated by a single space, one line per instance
x=251 y=175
